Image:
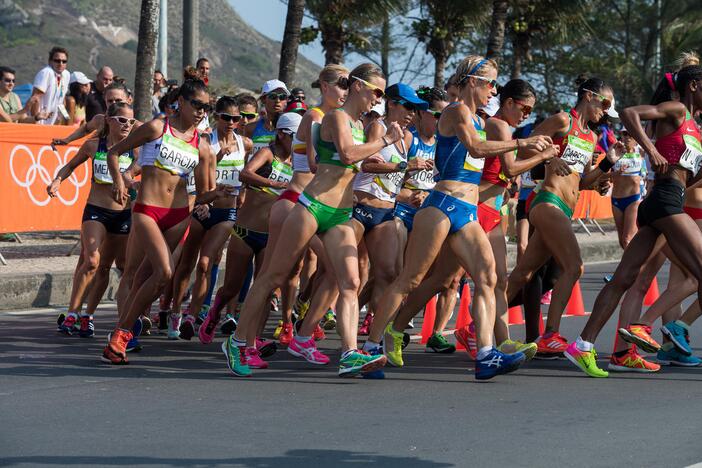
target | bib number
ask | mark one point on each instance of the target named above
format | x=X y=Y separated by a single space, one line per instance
x=280 y=172
x=691 y=159
x=629 y=164
x=475 y=164
x=578 y=153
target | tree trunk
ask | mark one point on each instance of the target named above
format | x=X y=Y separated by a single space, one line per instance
x=291 y=41
x=440 y=59
x=191 y=31
x=496 y=39
x=517 y=65
x=146 y=59
x=332 y=42
x=385 y=46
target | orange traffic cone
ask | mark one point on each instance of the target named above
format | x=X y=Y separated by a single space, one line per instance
x=652 y=293
x=464 y=319
x=542 y=327
x=575 y=305
x=429 y=318
x=514 y=316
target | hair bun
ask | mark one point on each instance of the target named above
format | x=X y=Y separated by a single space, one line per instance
x=687 y=59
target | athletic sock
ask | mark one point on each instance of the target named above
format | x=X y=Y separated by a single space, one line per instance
x=303 y=339
x=584 y=346
x=347 y=353
x=85 y=314
x=239 y=343
x=213 y=282
x=370 y=346
x=683 y=324
x=667 y=346
x=484 y=352
x=621 y=353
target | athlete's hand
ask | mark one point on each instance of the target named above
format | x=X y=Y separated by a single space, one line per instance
x=58 y=142
x=202 y=211
x=560 y=167
x=225 y=191
x=658 y=162
x=535 y=143
x=615 y=152
x=417 y=198
x=550 y=153
x=53 y=187
x=375 y=158
x=279 y=184
x=604 y=183
x=419 y=164
x=119 y=191
x=394 y=132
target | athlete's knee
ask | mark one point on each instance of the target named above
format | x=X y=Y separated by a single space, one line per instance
x=486 y=278
x=349 y=285
x=501 y=282
x=91 y=261
x=203 y=265
x=574 y=270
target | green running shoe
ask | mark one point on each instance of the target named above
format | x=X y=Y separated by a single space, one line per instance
x=236 y=358
x=329 y=320
x=515 y=346
x=357 y=362
x=438 y=344
x=585 y=360
x=392 y=346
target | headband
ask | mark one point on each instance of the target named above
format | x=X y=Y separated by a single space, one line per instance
x=472 y=70
x=671 y=81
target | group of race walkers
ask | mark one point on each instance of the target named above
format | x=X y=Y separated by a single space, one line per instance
x=384 y=197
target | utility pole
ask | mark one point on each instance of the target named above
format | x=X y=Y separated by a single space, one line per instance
x=191 y=31
x=162 y=62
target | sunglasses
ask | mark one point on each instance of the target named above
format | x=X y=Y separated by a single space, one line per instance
x=406 y=104
x=199 y=105
x=229 y=117
x=249 y=115
x=8 y=80
x=277 y=96
x=491 y=84
x=60 y=61
x=113 y=101
x=124 y=120
x=285 y=131
x=606 y=103
x=435 y=114
x=525 y=108
x=377 y=92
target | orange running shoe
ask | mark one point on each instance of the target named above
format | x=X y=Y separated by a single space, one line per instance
x=116 y=350
x=318 y=333
x=286 y=334
x=640 y=335
x=632 y=362
x=551 y=346
x=466 y=336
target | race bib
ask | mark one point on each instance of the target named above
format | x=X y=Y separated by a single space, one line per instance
x=101 y=173
x=578 y=153
x=692 y=156
x=176 y=156
x=629 y=164
x=280 y=172
x=475 y=164
x=228 y=170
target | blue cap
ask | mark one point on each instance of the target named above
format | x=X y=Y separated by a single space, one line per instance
x=402 y=93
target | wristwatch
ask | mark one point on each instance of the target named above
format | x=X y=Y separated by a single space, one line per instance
x=402 y=166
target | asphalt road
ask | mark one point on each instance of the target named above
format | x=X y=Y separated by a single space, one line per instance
x=177 y=405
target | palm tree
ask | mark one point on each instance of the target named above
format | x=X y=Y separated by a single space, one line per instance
x=496 y=38
x=291 y=41
x=146 y=58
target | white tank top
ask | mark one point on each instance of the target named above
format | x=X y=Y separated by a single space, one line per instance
x=384 y=186
x=230 y=166
x=172 y=154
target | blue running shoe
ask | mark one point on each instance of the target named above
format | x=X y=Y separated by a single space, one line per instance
x=87 y=328
x=376 y=374
x=133 y=346
x=673 y=357
x=677 y=332
x=497 y=363
x=69 y=324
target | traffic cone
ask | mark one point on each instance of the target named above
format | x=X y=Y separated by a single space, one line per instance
x=542 y=327
x=429 y=318
x=652 y=293
x=575 y=305
x=514 y=316
x=464 y=319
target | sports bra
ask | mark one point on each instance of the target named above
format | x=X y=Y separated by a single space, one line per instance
x=682 y=147
x=631 y=164
x=327 y=154
x=299 y=149
x=261 y=137
x=170 y=153
x=101 y=173
x=577 y=145
x=492 y=171
x=383 y=186
x=424 y=179
x=454 y=162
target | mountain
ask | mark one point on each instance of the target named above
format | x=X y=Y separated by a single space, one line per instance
x=98 y=32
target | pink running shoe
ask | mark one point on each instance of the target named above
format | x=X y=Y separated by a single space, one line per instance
x=307 y=350
x=364 y=330
x=267 y=348
x=466 y=336
x=546 y=298
x=253 y=359
x=206 y=332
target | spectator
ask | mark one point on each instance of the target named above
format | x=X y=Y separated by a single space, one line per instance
x=78 y=91
x=10 y=104
x=50 y=88
x=297 y=94
x=96 y=99
x=191 y=73
x=158 y=90
x=298 y=107
x=203 y=68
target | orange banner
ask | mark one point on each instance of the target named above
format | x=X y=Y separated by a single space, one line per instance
x=29 y=164
x=592 y=205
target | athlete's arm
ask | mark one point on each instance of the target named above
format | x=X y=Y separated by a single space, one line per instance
x=591 y=176
x=88 y=148
x=376 y=164
x=335 y=128
x=86 y=128
x=305 y=131
x=498 y=130
x=248 y=174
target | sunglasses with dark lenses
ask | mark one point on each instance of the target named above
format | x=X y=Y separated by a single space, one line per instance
x=525 y=108
x=123 y=120
x=249 y=115
x=199 y=105
x=406 y=104
x=435 y=114
x=277 y=96
x=606 y=103
x=377 y=92
x=8 y=80
x=60 y=61
x=229 y=117
x=343 y=83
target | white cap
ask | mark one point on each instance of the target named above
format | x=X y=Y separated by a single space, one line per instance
x=379 y=108
x=79 y=77
x=272 y=85
x=612 y=112
x=289 y=121
x=492 y=106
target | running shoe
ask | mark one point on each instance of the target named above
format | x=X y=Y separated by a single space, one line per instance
x=329 y=320
x=228 y=325
x=551 y=346
x=275 y=303
x=173 y=325
x=87 y=328
x=202 y=315
x=236 y=358
x=607 y=278
x=497 y=363
x=438 y=344
x=673 y=357
x=514 y=346
x=405 y=340
x=163 y=321
x=278 y=330
x=133 y=346
x=358 y=361
x=59 y=320
x=640 y=335
x=631 y=362
x=116 y=350
x=286 y=335
x=392 y=345
x=410 y=324
x=678 y=334
x=267 y=348
x=67 y=326
x=585 y=360
x=318 y=333
x=376 y=374
x=206 y=333
x=253 y=359
x=307 y=350
x=186 y=329
x=466 y=336
x=364 y=329
x=146 y=325
x=300 y=309
x=546 y=298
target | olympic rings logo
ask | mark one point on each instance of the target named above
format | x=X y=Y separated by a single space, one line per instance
x=36 y=171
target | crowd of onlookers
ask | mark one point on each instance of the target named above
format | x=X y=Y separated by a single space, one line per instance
x=60 y=97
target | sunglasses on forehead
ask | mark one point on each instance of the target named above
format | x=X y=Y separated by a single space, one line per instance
x=606 y=102
x=199 y=105
x=229 y=117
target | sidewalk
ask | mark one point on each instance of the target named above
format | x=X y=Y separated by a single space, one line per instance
x=39 y=270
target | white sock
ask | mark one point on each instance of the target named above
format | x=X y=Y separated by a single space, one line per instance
x=370 y=346
x=303 y=339
x=347 y=353
x=239 y=343
x=584 y=346
x=683 y=324
x=484 y=351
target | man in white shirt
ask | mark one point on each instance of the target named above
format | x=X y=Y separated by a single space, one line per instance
x=50 y=87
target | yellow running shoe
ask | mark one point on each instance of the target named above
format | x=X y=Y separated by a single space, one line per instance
x=515 y=346
x=392 y=345
x=278 y=330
